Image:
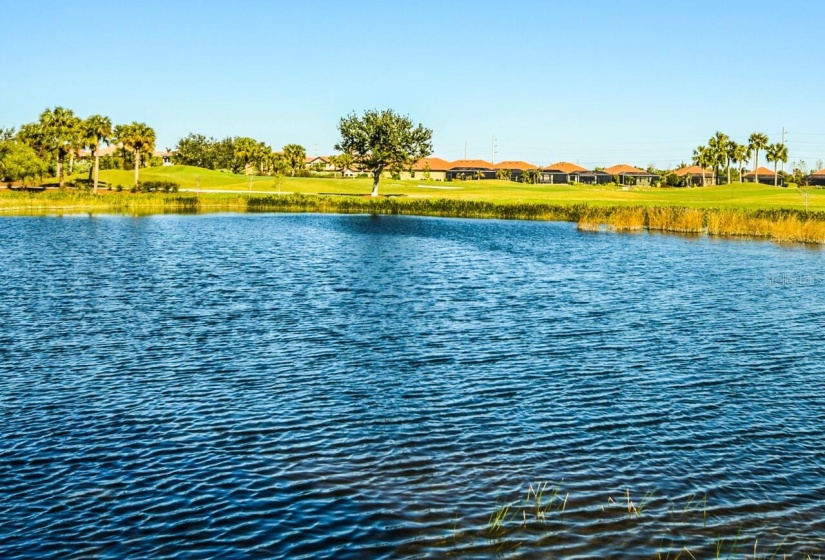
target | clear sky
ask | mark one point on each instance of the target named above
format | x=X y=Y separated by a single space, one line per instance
x=593 y=82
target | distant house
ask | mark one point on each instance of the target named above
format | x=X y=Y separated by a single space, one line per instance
x=629 y=175
x=471 y=169
x=104 y=151
x=319 y=163
x=86 y=155
x=817 y=179
x=764 y=176
x=165 y=156
x=588 y=177
x=558 y=173
x=431 y=168
x=695 y=176
x=516 y=168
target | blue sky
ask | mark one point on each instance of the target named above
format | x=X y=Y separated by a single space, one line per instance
x=591 y=82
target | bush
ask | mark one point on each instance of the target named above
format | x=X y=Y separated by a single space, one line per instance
x=81 y=167
x=79 y=184
x=157 y=187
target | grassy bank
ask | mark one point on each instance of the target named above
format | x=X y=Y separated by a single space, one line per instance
x=781 y=225
x=747 y=196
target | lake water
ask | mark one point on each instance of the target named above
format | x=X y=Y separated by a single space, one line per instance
x=319 y=386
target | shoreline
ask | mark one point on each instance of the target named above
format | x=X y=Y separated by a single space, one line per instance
x=779 y=225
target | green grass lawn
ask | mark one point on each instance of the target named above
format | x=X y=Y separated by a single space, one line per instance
x=739 y=195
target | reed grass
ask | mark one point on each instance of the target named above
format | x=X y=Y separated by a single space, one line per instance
x=632 y=508
x=675 y=219
x=497 y=520
x=693 y=505
x=541 y=509
x=781 y=225
x=513 y=523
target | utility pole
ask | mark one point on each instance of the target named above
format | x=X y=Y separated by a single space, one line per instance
x=493 y=149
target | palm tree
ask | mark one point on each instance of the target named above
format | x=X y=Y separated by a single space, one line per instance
x=740 y=154
x=295 y=156
x=729 y=153
x=342 y=162
x=700 y=158
x=60 y=129
x=140 y=138
x=776 y=153
x=757 y=141
x=97 y=130
x=718 y=146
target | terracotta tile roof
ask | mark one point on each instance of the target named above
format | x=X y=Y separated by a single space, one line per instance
x=819 y=173
x=761 y=171
x=692 y=170
x=624 y=168
x=564 y=167
x=163 y=154
x=434 y=163
x=472 y=163
x=520 y=165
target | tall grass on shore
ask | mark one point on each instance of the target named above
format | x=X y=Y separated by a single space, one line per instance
x=779 y=225
x=74 y=202
x=455 y=208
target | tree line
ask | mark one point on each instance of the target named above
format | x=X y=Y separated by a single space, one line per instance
x=721 y=152
x=52 y=143
x=239 y=154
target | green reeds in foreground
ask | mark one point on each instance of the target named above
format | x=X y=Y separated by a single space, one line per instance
x=510 y=522
x=495 y=525
x=543 y=502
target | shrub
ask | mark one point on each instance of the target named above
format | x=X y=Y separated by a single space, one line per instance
x=157 y=187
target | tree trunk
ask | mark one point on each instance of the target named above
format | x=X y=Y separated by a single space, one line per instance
x=97 y=171
x=137 y=167
x=71 y=163
x=60 y=171
x=755 y=166
x=729 y=172
x=704 y=181
x=376 y=176
x=775 y=176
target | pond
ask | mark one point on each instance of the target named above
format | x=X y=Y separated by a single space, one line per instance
x=322 y=386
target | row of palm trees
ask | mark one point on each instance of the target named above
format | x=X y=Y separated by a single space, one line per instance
x=59 y=133
x=722 y=152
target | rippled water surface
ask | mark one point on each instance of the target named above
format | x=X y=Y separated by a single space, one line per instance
x=305 y=386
